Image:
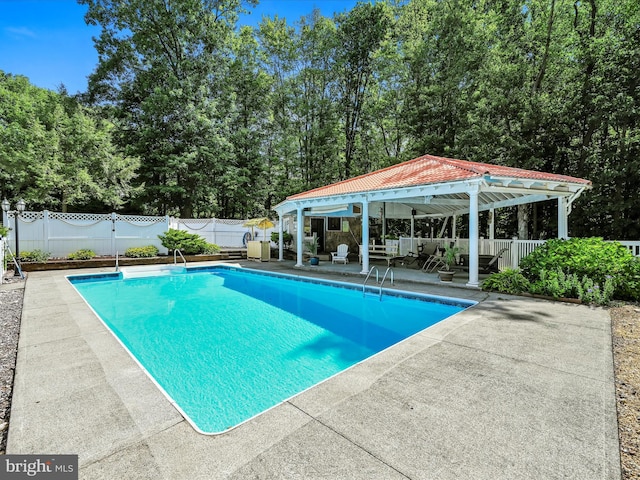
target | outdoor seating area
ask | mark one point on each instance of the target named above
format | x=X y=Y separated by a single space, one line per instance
x=388 y=253
x=486 y=263
x=341 y=255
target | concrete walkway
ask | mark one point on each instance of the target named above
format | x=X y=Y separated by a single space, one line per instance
x=513 y=388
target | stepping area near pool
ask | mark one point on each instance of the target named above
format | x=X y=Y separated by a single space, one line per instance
x=510 y=388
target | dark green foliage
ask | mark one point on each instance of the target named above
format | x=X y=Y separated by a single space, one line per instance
x=82 y=254
x=34 y=256
x=589 y=269
x=141 y=252
x=629 y=287
x=211 y=249
x=227 y=122
x=591 y=257
x=507 y=281
x=187 y=243
x=55 y=152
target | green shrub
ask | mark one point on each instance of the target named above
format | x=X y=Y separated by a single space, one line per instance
x=592 y=257
x=82 y=254
x=142 y=252
x=629 y=287
x=287 y=238
x=594 y=293
x=4 y=231
x=34 y=256
x=508 y=281
x=211 y=249
x=187 y=243
x=603 y=263
x=557 y=284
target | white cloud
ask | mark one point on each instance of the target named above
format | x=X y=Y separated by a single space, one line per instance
x=20 y=32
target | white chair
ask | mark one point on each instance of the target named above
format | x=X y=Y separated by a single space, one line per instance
x=341 y=255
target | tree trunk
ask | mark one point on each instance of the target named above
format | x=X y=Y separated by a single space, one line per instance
x=523 y=222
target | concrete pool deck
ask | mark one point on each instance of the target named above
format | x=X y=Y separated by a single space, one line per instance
x=511 y=388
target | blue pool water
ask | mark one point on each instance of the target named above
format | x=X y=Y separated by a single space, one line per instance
x=226 y=344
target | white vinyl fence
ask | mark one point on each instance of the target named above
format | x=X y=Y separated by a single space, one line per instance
x=222 y=232
x=2 y=256
x=109 y=233
x=63 y=233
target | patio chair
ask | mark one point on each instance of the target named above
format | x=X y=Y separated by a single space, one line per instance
x=418 y=260
x=434 y=262
x=341 y=255
x=491 y=266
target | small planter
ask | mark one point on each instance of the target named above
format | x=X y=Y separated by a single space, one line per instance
x=446 y=275
x=314 y=261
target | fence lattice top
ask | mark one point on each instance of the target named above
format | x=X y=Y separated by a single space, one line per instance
x=83 y=217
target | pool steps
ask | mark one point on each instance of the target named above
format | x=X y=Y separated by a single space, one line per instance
x=152 y=271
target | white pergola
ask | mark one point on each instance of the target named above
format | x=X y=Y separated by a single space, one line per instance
x=434 y=187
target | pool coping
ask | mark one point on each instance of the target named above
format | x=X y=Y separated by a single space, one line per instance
x=393 y=416
x=208 y=269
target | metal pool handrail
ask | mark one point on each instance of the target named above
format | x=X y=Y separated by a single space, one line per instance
x=383 y=278
x=368 y=275
x=175 y=257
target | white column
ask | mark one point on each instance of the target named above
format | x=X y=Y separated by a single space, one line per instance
x=454 y=222
x=563 y=221
x=280 y=242
x=473 y=240
x=365 y=237
x=515 y=254
x=413 y=231
x=299 y=237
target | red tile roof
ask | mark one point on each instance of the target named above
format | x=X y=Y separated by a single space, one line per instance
x=429 y=169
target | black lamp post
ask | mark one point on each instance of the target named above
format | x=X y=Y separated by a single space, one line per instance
x=16 y=213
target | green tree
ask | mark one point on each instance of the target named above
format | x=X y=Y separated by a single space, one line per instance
x=55 y=152
x=243 y=186
x=316 y=104
x=361 y=33
x=278 y=43
x=162 y=70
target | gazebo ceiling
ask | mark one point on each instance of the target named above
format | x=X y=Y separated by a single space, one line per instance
x=438 y=187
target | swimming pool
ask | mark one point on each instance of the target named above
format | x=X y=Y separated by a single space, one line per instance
x=225 y=344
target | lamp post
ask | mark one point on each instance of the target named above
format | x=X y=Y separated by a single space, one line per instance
x=16 y=213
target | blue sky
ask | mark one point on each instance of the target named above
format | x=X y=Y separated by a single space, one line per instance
x=48 y=41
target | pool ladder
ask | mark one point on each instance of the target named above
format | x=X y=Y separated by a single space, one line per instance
x=368 y=275
x=384 y=277
x=177 y=252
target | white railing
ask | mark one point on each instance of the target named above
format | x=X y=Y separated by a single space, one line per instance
x=516 y=249
x=634 y=247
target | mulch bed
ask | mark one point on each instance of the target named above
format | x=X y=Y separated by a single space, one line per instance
x=625 y=327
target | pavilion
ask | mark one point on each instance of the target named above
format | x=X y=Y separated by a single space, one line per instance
x=435 y=187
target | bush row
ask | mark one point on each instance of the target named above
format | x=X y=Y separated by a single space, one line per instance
x=588 y=269
x=187 y=243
